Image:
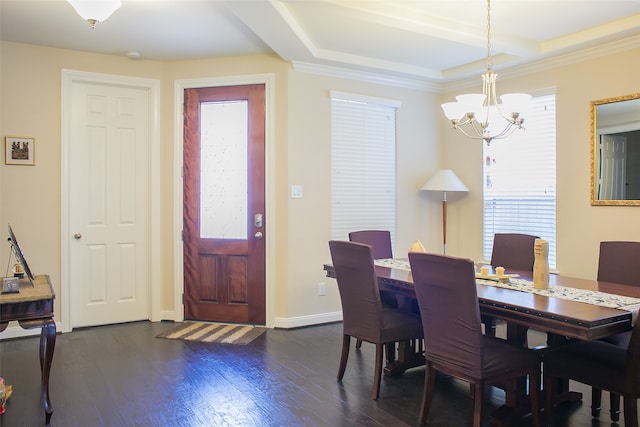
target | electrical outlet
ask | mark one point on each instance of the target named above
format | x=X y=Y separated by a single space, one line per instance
x=322 y=289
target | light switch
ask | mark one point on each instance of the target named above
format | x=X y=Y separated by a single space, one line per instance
x=296 y=191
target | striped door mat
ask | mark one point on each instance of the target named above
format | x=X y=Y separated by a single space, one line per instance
x=213 y=332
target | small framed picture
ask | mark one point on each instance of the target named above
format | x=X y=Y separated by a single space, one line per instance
x=20 y=150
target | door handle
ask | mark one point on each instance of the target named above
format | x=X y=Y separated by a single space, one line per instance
x=77 y=236
x=258 y=235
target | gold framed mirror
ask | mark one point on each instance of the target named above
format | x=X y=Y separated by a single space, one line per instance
x=615 y=151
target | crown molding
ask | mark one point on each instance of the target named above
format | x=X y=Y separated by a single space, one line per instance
x=522 y=68
x=526 y=68
x=364 y=76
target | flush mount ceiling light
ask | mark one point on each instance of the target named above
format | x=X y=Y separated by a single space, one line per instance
x=94 y=11
x=481 y=116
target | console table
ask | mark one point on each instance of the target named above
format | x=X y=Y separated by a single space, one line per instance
x=32 y=307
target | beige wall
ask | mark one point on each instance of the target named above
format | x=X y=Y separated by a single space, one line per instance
x=30 y=105
x=30 y=98
x=580 y=226
x=309 y=164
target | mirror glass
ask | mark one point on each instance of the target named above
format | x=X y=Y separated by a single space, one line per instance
x=615 y=151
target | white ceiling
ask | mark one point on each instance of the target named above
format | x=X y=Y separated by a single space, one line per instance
x=429 y=40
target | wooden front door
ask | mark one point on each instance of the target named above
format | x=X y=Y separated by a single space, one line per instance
x=224 y=204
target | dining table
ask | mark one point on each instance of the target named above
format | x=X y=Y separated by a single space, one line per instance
x=568 y=309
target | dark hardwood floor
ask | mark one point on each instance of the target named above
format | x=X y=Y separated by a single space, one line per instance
x=121 y=375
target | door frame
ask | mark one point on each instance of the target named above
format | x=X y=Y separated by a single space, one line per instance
x=69 y=78
x=178 y=262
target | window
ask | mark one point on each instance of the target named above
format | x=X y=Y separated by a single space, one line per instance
x=520 y=180
x=363 y=164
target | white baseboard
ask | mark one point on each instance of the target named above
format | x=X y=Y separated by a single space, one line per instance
x=315 y=319
x=15 y=331
x=168 y=315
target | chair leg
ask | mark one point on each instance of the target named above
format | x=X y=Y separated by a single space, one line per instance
x=427 y=394
x=614 y=400
x=478 y=392
x=358 y=344
x=596 y=399
x=630 y=411
x=346 y=342
x=549 y=391
x=489 y=325
x=390 y=348
x=378 y=372
x=534 y=395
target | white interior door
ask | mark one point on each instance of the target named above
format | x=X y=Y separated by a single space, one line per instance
x=109 y=192
x=613 y=161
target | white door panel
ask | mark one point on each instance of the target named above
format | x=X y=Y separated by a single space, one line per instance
x=613 y=161
x=109 y=204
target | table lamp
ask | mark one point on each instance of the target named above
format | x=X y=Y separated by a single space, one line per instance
x=444 y=180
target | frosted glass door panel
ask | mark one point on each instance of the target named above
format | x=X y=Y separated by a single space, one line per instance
x=223 y=170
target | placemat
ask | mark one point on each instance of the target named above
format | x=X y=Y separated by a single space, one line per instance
x=399 y=263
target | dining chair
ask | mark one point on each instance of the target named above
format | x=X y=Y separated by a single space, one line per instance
x=380 y=242
x=364 y=316
x=599 y=364
x=618 y=262
x=455 y=345
x=513 y=251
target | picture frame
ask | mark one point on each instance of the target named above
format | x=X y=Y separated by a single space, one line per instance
x=15 y=246
x=20 y=150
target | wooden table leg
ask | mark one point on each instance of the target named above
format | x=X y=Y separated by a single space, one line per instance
x=409 y=356
x=562 y=393
x=517 y=402
x=47 y=346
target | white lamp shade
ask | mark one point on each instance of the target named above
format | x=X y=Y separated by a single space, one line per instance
x=98 y=10
x=453 y=110
x=471 y=102
x=516 y=102
x=444 y=180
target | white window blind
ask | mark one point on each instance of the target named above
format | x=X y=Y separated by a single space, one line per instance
x=363 y=165
x=520 y=180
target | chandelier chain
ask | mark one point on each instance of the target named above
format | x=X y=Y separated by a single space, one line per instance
x=489 y=34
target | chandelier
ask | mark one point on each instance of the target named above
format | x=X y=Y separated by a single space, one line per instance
x=94 y=11
x=481 y=116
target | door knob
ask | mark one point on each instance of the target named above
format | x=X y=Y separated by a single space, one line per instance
x=258 y=235
x=77 y=236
